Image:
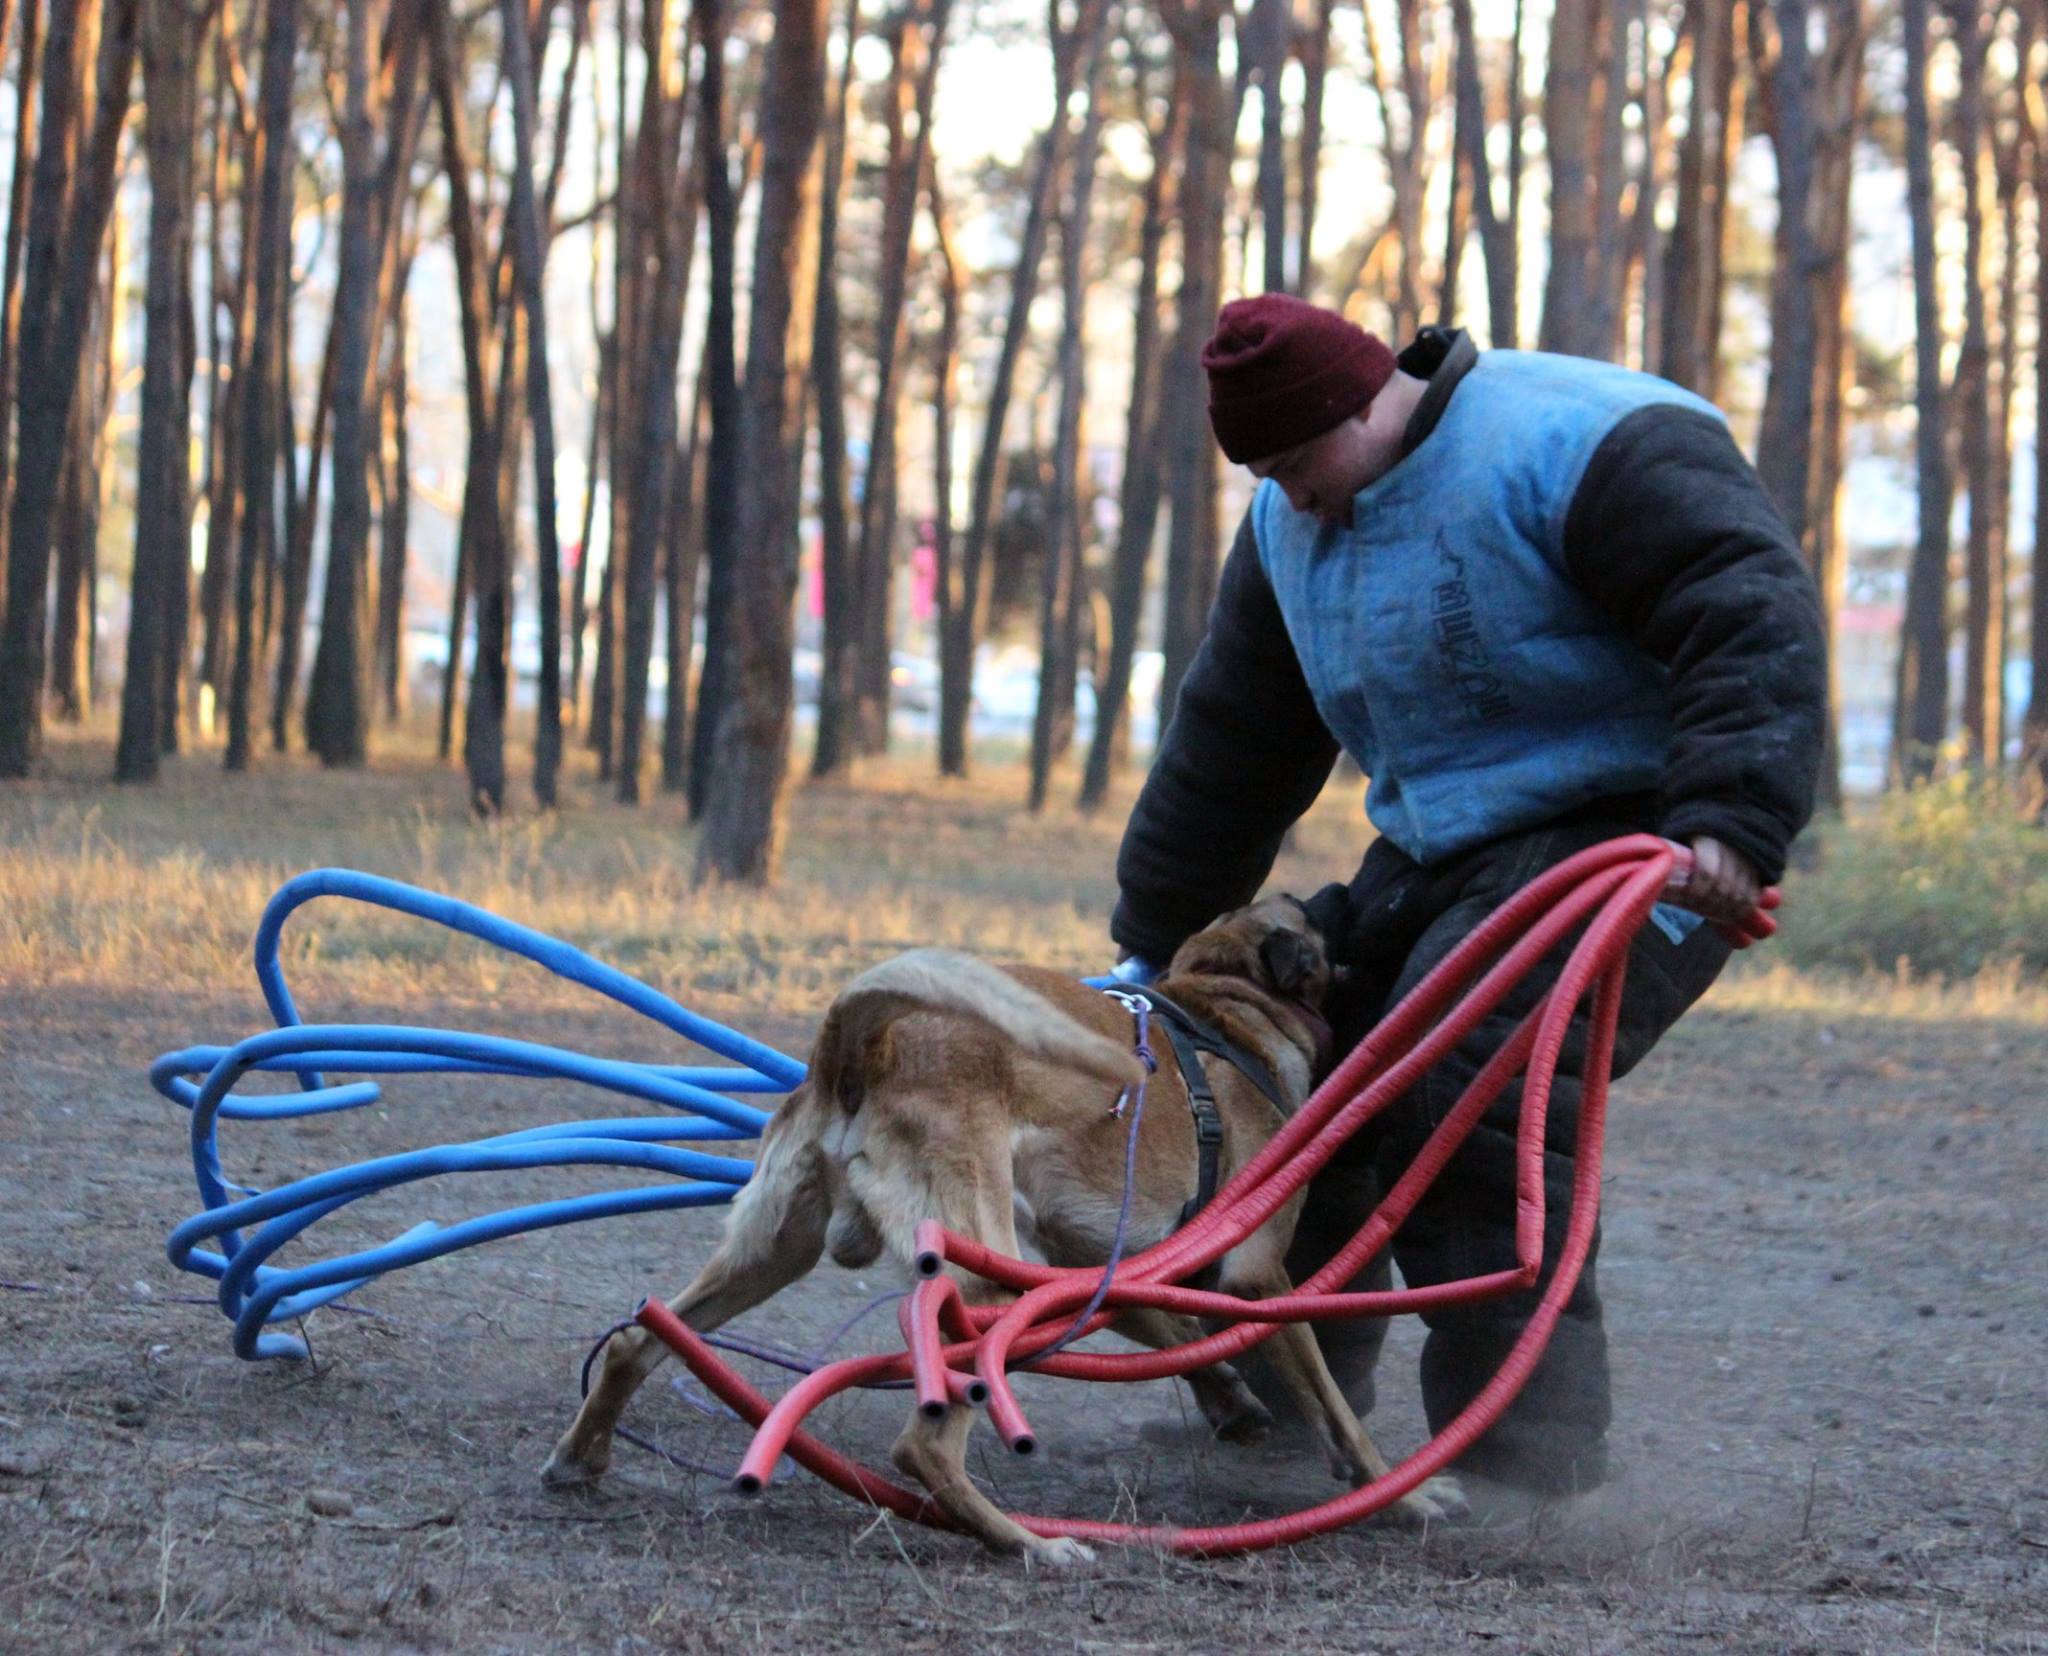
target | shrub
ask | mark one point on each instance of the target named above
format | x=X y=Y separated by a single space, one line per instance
x=1942 y=881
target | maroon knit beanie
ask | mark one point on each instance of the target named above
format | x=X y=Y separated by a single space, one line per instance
x=1283 y=371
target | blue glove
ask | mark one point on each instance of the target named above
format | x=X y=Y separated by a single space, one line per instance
x=1132 y=970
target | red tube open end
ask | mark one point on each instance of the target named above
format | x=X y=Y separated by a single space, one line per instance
x=929 y=1241
x=746 y=1484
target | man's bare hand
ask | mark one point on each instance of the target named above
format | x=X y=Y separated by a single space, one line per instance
x=1722 y=884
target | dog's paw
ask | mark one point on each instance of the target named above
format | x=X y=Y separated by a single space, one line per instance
x=566 y=1469
x=1061 y=1553
x=1438 y=1501
x=1249 y=1422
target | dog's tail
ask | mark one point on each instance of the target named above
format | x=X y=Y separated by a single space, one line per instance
x=954 y=982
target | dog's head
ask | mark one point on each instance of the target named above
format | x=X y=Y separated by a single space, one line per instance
x=1272 y=944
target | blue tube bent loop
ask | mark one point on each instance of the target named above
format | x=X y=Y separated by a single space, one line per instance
x=254 y=1293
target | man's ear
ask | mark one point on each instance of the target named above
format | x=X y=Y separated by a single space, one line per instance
x=1288 y=958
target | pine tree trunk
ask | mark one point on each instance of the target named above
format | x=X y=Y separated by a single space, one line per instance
x=834 y=744
x=743 y=805
x=1265 y=46
x=945 y=368
x=77 y=526
x=162 y=480
x=228 y=342
x=1061 y=596
x=2034 y=728
x=28 y=64
x=1571 y=321
x=1494 y=244
x=338 y=698
x=579 y=580
x=1138 y=514
x=74 y=185
x=1840 y=110
x=529 y=262
x=628 y=233
x=657 y=331
x=480 y=544
x=1921 y=717
x=1690 y=330
x=259 y=399
x=75 y=541
x=1644 y=285
x=394 y=530
x=1785 y=438
x=1315 y=71
x=1517 y=154
x=2008 y=138
x=680 y=554
x=956 y=688
x=722 y=475
x=1607 y=268
x=294 y=570
x=1185 y=438
x=1984 y=613
x=874 y=560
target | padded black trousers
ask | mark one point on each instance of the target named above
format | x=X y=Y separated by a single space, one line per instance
x=1394 y=923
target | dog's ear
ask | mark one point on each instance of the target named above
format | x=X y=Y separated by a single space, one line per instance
x=1289 y=958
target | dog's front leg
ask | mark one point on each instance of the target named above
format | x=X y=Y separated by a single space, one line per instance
x=1354 y=1457
x=934 y=1452
x=1226 y=1402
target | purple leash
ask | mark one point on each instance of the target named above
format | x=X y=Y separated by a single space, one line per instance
x=1141 y=1011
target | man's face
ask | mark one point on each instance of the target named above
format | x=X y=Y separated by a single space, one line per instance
x=1321 y=475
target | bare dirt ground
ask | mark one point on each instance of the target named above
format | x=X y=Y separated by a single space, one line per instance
x=1822 y=1262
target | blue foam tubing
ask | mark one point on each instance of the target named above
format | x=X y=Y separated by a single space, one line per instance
x=518 y=1056
x=253 y=1293
x=563 y=959
x=405 y=1050
x=630 y=1079
x=292 y=1208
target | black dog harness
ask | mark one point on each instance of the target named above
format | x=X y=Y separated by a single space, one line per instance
x=1191 y=1037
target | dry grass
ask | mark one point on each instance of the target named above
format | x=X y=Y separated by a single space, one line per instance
x=163 y=886
x=2004 y=992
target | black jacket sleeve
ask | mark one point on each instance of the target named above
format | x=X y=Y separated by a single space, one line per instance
x=1245 y=754
x=1673 y=535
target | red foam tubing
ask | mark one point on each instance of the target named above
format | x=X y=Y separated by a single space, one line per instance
x=865 y=1484
x=785 y=1416
x=1271 y=1178
x=1599 y=961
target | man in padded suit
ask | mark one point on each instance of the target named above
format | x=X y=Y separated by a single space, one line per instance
x=1541 y=601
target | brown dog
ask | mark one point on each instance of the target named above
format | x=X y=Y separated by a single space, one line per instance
x=944 y=1088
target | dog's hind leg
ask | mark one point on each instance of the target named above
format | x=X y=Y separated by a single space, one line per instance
x=775 y=1234
x=933 y=1157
